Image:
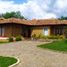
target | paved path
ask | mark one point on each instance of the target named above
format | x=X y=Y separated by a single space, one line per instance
x=31 y=56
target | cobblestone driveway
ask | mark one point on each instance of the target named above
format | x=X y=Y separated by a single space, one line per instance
x=32 y=56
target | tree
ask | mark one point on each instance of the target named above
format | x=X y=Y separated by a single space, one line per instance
x=63 y=18
x=12 y=15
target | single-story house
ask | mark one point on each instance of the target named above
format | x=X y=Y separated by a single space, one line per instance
x=27 y=28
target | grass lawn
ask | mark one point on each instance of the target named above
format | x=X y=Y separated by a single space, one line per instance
x=7 y=61
x=57 y=45
x=3 y=42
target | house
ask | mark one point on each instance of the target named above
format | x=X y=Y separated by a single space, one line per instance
x=27 y=28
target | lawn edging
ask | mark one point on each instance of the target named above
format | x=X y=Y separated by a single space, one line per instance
x=18 y=61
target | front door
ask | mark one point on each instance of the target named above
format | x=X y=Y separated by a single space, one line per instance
x=29 y=33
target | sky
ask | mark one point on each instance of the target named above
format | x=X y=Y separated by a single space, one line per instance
x=35 y=9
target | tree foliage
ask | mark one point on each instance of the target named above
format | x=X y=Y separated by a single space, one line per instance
x=12 y=15
x=63 y=18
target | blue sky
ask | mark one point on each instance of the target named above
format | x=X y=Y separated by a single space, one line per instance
x=36 y=9
x=20 y=1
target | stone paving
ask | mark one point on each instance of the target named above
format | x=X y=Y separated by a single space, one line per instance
x=32 y=56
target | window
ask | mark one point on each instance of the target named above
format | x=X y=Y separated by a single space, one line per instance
x=46 y=31
x=58 y=31
x=1 y=31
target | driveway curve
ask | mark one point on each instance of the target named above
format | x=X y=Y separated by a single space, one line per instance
x=32 y=56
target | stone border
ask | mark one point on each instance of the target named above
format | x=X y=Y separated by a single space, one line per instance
x=18 y=61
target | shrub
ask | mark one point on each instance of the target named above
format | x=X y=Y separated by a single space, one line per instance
x=53 y=37
x=61 y=37
x=18 y=38
x=44 y=37
x=49 y=37
x=56 y=37
x=39 y=36
x=10 y=39
x=34 y=36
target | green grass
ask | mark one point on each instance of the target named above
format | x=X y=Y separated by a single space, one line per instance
x=3 y=42
x=7 y=61
x=57 y=46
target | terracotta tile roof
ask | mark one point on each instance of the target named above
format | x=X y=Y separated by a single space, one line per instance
x=33 y=22
x=48 y=22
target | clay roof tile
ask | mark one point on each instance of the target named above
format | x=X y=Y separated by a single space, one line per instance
x=33 y=22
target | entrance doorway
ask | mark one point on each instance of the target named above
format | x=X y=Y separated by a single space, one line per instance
x=26 y=32
x=29 y=33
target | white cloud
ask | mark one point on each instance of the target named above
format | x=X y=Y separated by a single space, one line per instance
x=36 y=8
x=61 y=4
